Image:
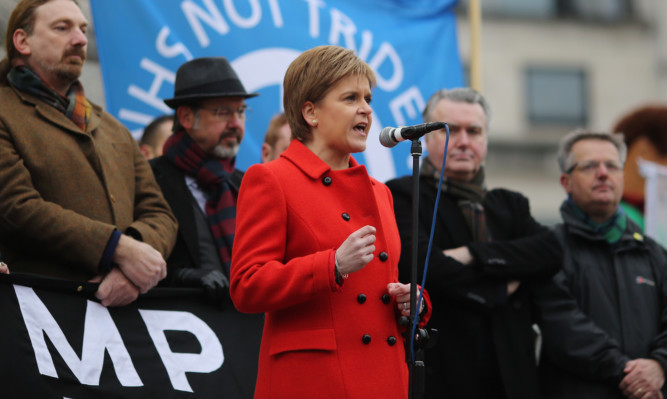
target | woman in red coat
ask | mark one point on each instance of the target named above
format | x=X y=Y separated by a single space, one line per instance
x=317 y=247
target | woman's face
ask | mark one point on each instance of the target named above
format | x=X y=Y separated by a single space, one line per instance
x=344 y=116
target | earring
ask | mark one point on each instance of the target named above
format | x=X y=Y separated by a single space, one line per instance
x=315 y=122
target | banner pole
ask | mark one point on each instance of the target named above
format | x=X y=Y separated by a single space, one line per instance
x=475 y=18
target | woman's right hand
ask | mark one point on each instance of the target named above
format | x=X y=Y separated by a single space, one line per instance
x=356 y=251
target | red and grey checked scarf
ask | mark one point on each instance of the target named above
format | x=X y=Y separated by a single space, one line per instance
x=469 y=197
x=213 y=176
x=74 y=106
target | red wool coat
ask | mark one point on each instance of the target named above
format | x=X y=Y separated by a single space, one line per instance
x=320 y=340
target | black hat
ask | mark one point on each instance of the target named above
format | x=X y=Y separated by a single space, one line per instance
x=203 y=78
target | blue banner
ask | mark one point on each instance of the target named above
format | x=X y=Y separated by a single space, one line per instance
x=411 y=45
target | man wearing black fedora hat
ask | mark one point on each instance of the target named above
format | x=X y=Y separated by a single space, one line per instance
x=197 y=175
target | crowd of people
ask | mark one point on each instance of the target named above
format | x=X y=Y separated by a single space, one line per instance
x=313 y=249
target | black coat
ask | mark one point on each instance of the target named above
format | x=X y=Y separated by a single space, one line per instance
x=172 y=182
x=485 y=344
x=186 y=255
x=608 y=305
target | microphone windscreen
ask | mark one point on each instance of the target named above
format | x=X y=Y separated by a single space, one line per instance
x=387 y=138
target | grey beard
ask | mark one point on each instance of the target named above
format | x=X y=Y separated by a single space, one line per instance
x=222 y=152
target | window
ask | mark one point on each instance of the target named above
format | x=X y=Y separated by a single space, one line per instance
x=589 y=10
x=556 y=96
x=516 y=8
x=600 y=10
x=520 y=8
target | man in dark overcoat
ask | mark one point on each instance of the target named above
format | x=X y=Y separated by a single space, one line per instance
x=199 y=179
x=486 y=248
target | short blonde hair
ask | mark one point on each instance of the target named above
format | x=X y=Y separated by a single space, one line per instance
x=310 y=76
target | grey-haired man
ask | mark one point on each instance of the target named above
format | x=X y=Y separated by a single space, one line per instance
x=616 y=275
x=486 y=247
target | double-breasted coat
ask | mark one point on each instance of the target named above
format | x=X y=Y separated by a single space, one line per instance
x=63 y=191
x=320 y=339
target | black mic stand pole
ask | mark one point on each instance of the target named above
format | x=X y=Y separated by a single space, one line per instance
x=416 y=367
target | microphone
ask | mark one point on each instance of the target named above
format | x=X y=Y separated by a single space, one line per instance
x=390 y=136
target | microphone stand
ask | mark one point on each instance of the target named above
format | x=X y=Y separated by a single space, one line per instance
x=415 y=366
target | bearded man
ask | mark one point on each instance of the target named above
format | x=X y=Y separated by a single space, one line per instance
x=78 y=201
x=197 y=172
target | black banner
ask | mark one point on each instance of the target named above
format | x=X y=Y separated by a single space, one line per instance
x=56 y=341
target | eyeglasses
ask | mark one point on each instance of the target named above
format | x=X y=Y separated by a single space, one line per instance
x=224 y=113
x=590 y=167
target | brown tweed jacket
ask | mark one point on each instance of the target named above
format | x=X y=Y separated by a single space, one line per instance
x=63 y=191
